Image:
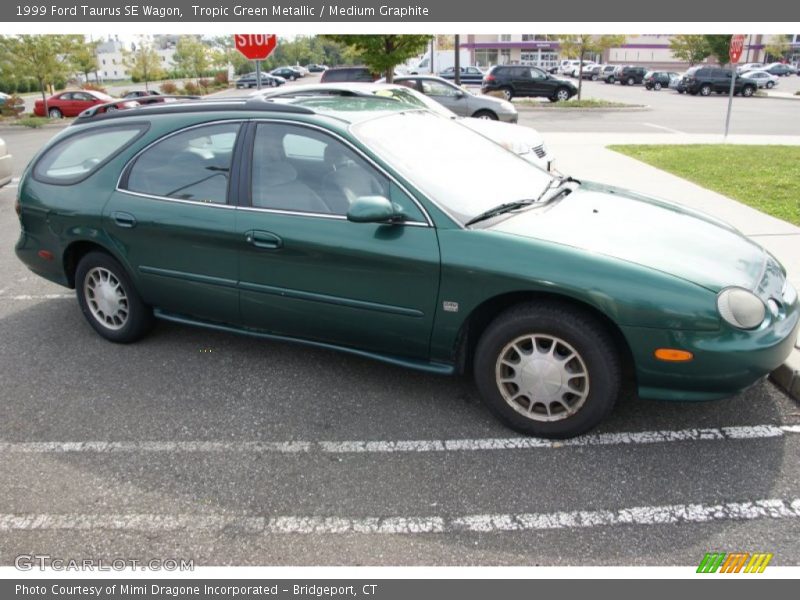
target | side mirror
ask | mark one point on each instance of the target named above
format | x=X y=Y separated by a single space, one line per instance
x=373 y=209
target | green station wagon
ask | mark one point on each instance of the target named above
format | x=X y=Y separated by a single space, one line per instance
x=348 y=223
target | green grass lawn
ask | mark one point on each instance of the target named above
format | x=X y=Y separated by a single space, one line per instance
x=764 y=177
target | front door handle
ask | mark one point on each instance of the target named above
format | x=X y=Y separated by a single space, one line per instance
x=264 y=240
x=123 y=219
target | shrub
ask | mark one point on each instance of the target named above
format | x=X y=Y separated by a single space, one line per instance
x=204 y=83
x=168 y=87
x=135 y=79
x=14 y=106
x=60 y=83
x=94 y=87
x=191 y=89
x=221 y=77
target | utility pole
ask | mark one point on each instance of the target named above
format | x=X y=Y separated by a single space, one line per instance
x=457 y=61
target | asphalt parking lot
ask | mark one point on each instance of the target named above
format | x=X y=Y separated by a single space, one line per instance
x=228 y=450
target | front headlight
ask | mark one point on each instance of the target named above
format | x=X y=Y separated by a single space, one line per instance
x=741 y=308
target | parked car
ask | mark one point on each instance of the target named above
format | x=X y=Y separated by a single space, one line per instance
x=514 y=80
x=462 y=102
x=566 y=66
x=780 y=69
x=593 y=72
x=523 y=141
x=655 y=80
x=144 y=96
x=764 y=79
x=314 y=68
x=341 y=74
x=547 y=289
x=288 y=73
x=607 y=73
x=250 y=81
x=573 y=69
x=750 y=67
x=628 y=75
x=5 y=99
x=72 y=103
x=679 y=84
x=705 y=80
x=6 y=164
x=467 y=74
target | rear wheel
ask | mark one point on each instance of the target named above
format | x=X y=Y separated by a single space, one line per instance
x=631 y=81
x=109 y=300
x=485 y=114
x=548 y=371
x=770 y=85
x=508 y=94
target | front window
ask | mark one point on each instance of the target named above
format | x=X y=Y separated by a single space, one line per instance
x=413 y=141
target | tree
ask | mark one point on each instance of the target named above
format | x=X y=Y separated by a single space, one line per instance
x=580 y=46
x=382 y=53
x=719 y=46
x=84 y=59
x=44 y=58
x=690 y=48
x=143 y=62
x=191 y=56
x=778 y=47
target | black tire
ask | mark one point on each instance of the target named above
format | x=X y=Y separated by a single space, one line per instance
x=594 y=77
x=562 y=94
x=770 y=85
x=55 y=113
x=507 y=92
x=139 y=318
x=597 y=356
x=485 y=114
x=647 y=86
x=657 y=86
x=705 y=90
x=748 y=91
x=631 y=81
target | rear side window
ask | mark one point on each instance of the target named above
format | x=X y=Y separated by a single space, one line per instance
x=192 y=165
x=74 y=158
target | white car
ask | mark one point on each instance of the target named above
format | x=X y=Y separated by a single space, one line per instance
x=5 y=164
x=573 y=72
x=762 y=78
x=749 y=67
x=567 y=66
x=523 y=141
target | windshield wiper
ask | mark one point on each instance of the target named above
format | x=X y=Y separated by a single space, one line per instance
x=560 y=181
x=498 y=210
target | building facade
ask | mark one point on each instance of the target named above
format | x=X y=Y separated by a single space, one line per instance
x=111 y=58
x=543 y=50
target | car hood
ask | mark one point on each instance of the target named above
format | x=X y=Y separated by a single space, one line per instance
x=516 y=138
x=646 y=231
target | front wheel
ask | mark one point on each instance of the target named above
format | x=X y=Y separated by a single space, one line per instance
x=55 y=113
x=657 y=86
x=109 y=300
x=548 y=371
x=486 y=115
x=705 y=90
x=631 y=81
x=770 y=85
x=747 y=91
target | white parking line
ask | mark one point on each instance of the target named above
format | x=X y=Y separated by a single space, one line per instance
x=773 y=508
x=745 y=432
x=24 y=297
x=663 y=128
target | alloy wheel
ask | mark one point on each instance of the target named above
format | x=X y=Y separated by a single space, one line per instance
x=106 y=298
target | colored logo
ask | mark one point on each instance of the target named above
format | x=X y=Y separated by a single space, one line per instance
x=734 y=562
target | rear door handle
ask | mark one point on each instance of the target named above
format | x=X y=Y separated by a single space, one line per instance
x=264 y=240
x=123 y=219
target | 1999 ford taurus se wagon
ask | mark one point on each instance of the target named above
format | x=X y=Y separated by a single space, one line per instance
x=347 y=223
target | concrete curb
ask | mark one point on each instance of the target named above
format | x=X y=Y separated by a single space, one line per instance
x=554 y=108
x=788 y=379
x=10 y=128
x=771 y=97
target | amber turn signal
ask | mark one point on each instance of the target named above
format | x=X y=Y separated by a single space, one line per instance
x=673 y=355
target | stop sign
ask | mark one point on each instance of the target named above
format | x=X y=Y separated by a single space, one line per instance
x=256 y=46
x=737 y=45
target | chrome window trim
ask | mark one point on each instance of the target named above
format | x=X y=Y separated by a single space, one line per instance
x=180 y=200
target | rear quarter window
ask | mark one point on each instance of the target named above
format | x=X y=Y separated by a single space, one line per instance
x=74 y=158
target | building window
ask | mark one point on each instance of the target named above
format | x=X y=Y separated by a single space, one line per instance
x=535 y=37
x=506 y=37
x=485 y=57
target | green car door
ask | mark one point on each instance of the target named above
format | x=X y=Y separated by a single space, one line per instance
x=171 y=220
x=306 y=271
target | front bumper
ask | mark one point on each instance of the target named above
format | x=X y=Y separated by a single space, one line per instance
x=6 y=168
x=725 y=361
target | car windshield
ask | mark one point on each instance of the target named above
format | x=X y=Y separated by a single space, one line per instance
x=414 y=141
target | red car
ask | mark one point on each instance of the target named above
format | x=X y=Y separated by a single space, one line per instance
x=72 y=103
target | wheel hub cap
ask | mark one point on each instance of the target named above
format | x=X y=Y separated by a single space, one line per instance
x=106 y=298
x=542 y=377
